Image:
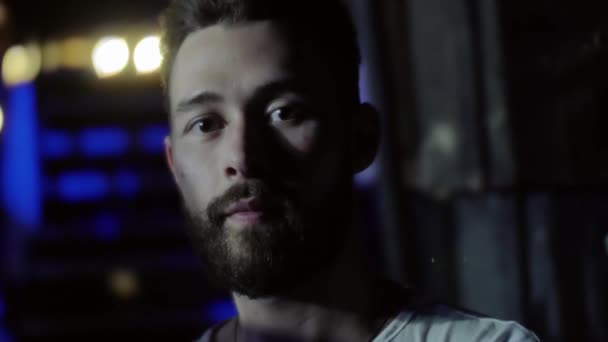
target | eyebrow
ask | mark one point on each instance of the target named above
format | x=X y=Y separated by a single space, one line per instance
x=199 y=99
x=270 y=89
x=280 y=86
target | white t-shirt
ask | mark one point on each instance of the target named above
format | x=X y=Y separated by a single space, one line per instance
x=440 y=323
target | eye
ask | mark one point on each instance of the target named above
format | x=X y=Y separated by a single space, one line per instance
x=207 y=125
x=287 y=113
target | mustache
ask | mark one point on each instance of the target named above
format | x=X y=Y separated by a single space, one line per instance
x=249 y=188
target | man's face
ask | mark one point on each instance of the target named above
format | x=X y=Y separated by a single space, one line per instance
x=259 y=149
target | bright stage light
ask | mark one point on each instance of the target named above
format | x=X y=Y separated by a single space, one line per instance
x=21 y=64
x=110 y=56
x=147 y=57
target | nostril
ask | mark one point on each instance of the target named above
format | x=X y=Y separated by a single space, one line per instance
x=230 y=171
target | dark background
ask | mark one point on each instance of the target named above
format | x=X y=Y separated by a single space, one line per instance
x=490 y=191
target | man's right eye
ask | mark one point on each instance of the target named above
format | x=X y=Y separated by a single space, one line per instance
x=206 y=125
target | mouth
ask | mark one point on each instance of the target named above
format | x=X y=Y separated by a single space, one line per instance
x=249 y=211
x=245 y=218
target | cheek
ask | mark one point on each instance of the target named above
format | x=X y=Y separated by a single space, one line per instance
x=304 y=137
x=327 y=168
x=194 y=176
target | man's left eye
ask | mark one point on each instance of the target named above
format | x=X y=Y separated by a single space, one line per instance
x=285 y=114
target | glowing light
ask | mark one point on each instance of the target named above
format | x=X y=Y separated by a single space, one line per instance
x=83 y=186
x=124 y=283
x=221 y=310
x=21 y=64
x=20 y=163
x=51 y=56
x=74 y=53
x=104 y=142
x=15 y=65
x=110 y=56
x=147 y=56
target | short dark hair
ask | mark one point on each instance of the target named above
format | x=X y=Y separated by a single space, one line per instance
x=326 y=23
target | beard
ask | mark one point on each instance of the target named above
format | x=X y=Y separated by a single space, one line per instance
x=291 y=243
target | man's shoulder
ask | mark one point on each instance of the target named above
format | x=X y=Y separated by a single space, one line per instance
x=442 y=323
x=438 y=323
x=206 y=336
x=210 y=334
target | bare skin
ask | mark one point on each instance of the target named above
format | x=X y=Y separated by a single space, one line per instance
x=216 y=142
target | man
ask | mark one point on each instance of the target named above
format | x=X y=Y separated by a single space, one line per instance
x=267 y=132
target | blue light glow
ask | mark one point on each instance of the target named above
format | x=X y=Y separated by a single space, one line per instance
x=126 y=183
x=107 y=226
x=57 y=144
x=5 y=336
x=368 y=177
x=151 y=138
x=104 y=142
x=364 y=84
x=22 y=191
x=83 y=186
x=220 y=310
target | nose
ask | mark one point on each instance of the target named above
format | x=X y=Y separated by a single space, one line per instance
x=240 y=151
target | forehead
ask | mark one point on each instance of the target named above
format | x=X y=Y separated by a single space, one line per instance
x=229 y=60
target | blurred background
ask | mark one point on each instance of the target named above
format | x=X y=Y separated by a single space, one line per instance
x=490 y=191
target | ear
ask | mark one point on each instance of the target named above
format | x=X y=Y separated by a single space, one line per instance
x=365 y=137
x=169 y=155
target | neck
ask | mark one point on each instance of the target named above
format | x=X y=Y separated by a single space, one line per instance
x=347 y=302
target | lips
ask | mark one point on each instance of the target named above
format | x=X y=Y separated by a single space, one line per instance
x=248 y=212
x=254 y=206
